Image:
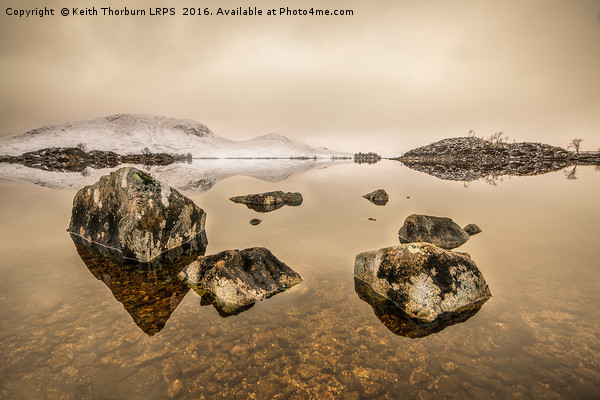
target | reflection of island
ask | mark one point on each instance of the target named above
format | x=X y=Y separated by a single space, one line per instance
x=401 y=324
x=149 y=292
x=469 y=158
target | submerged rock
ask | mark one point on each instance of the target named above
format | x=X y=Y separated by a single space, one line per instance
x=149 y=292
x=425 y=281
x=472 y=229
x=400 y=323
x=269 y=201
x=132 y=212
x=233 y=280
x=378 y=197
x=441 y=231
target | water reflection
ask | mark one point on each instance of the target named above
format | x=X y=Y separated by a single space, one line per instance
x=149 y=292
x=399 y=323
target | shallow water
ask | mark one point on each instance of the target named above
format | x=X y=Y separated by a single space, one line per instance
x=65 y=336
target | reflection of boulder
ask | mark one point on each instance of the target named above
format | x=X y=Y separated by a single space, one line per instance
x=132 y=212
x=441 y=231
x=234 y=280
x=378 y=197
x=425 y=281
x=397 y=321
x=149 y=292
x=269 y=201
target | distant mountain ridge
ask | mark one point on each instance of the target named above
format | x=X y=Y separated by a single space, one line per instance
x=137 y=133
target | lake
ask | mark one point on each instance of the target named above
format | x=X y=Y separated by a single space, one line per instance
x=66 y=335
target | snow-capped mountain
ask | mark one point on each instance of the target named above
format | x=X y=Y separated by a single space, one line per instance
x=132 y=134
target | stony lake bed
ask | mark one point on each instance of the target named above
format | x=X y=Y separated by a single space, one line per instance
x=65 y=335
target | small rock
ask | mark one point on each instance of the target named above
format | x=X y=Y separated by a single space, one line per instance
x=255 y=221
x=440 y=231
x=472 y=229
x=269 y=201
x=378 y=197
x=372 y=219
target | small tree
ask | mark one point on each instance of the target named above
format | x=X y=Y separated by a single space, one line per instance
x=82 y=147
x=575 y=145
x=471 y=133
x=498 y=137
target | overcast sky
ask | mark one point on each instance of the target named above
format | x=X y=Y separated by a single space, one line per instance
x=396 y=75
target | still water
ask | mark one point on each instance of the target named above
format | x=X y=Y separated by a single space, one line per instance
x=65 y=335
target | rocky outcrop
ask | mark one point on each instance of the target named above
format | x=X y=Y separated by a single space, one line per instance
x=472 y=229
x=74 y=159
x=269 y=201
x=149 y=292
x=367 y=158
x=400 y=323
x=470 y=158
x=133 y=213
x=441 y=231
x=378 y=197
x=233 y=280
x=428 y=283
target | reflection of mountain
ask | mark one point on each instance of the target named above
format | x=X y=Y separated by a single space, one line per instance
x=197 y=177
x=468 y=158
x=126 y=134
x=149 y=292
x=401 y=324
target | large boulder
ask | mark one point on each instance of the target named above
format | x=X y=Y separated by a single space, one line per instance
x=378 y=197
x=233 y=280
x=441 y=231
x=269 y=201
x=425 y=281
x=135 y=214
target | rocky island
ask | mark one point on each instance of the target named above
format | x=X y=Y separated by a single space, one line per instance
x=471 y=158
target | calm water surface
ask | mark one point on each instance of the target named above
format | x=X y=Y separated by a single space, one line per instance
x=64 y=335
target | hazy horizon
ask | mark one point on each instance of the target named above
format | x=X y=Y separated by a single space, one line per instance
x=394 y=76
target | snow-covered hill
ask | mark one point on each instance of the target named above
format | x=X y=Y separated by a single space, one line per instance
x=131 y=134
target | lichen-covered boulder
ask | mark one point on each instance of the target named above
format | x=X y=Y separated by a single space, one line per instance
x=378 y=197
x=235 y=279
x=269 y=201
x=472 y=229
x=131 y=212
x=441 y=231
x=425 y=281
